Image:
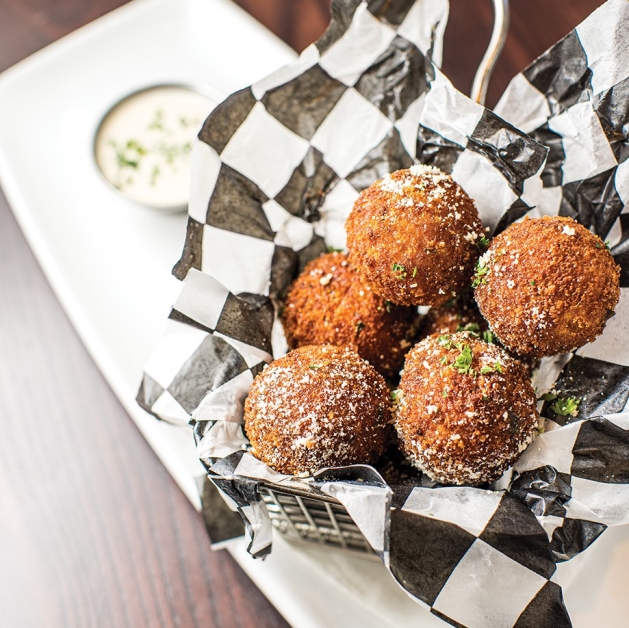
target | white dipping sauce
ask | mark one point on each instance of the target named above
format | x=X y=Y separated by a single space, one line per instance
x=143 y=144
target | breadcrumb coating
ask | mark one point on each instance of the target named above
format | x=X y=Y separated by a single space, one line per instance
x=414 y=235
x=460 y=314
x=547 y=286
x=316 y=407
x=465 y=409
x=329 y=303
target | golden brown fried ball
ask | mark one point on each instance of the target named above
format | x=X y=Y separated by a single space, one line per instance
x=547 y=286
x=413 y=235
x=460 y=314
x=316 y=407
x=466 y=410
x=329 y=303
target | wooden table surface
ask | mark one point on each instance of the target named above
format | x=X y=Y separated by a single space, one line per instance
x=93 y=531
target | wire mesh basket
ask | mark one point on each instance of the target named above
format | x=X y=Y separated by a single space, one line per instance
x=322 y=519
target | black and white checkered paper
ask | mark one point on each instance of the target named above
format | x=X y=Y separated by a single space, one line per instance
x=275 y=172
x=575 y=100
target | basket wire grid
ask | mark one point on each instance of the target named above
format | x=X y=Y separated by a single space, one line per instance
x=321 y=519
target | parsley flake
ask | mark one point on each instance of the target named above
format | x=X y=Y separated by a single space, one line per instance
x=398 y=268
x=473 y=327
x=463 y=362
x=549 y=397
x=154 y=174
x=488 y=336
x=479 y=274
x=566 y=406
x=445 y=341
x=157 y=124
x=483 y=243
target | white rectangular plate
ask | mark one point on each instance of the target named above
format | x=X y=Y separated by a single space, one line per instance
x=110 y=263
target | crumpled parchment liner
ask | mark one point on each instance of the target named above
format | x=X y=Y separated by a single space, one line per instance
x=575 y=100
x=275 y=172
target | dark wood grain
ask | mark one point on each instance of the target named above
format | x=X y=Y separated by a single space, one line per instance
x=535 y=26
x=93 y=531
x=297 y=22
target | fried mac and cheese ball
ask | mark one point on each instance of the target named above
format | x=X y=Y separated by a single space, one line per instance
x=414 y=236
x=466 y=409
x=547 y=286
x=329 y=303
x=316 y=407
x=460 y=314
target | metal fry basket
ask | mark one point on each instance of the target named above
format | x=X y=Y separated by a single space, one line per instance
x=322 y=519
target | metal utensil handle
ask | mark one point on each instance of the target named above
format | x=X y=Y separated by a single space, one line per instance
x=496 y=44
